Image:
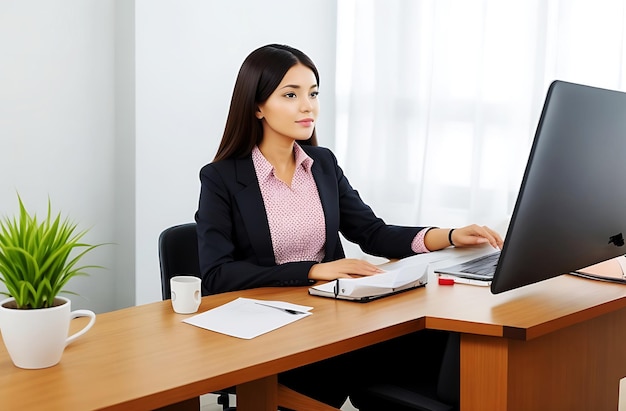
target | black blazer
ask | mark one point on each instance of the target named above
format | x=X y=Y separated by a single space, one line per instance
x=233 y=233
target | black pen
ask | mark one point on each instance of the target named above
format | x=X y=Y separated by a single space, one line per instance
x=287 y=310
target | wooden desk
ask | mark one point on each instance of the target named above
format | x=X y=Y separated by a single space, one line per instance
x=556 y=345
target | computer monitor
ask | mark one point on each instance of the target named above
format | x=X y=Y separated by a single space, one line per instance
x=570 y=212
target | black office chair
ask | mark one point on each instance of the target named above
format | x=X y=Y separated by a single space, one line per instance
x=178 y=255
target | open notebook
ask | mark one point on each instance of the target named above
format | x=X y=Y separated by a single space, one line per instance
x=363 y=289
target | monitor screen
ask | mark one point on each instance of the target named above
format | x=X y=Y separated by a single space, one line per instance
x=570 y=212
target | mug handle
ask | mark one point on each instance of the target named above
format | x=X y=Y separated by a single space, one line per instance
x=81 y=313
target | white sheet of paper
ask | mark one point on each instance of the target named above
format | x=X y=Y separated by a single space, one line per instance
x=244 y=318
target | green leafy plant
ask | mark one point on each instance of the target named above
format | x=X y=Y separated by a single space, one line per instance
x=35 y=261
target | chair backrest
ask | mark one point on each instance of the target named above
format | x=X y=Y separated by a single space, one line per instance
x=178 y=254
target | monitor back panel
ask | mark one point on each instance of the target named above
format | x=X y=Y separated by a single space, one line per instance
x=571 y=207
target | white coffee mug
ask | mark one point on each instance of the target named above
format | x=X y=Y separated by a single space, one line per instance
x=185 y=293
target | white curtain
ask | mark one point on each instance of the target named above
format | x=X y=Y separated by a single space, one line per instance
x=438 y=101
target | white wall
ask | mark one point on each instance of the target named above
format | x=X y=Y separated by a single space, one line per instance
x=111 y=107
x=57 y=123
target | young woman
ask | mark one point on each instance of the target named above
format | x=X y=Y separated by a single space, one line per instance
x=272 y=202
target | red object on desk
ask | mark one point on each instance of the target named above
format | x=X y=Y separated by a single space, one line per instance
x=446 y=281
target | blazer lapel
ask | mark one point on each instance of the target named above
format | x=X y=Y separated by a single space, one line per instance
x=252 y=211
x=327 y=188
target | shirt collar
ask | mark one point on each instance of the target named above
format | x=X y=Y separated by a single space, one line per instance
x=264 y=168
x=302 y=158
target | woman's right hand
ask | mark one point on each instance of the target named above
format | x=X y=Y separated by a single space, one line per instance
x=344 y=268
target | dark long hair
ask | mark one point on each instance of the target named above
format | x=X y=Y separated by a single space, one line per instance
x=259 y=75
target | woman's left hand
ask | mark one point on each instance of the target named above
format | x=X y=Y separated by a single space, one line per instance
x=474 y=234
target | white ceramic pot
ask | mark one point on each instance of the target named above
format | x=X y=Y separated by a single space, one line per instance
x=37 y=338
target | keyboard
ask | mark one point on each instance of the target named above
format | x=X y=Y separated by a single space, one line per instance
x=482 y=268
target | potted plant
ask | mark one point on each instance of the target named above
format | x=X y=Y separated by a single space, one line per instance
x=36 y=263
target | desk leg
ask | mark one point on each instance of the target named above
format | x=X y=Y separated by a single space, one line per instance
x=484 y=372
x=258 y=395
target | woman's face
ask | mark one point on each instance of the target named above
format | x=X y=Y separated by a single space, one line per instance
x=292 y=109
